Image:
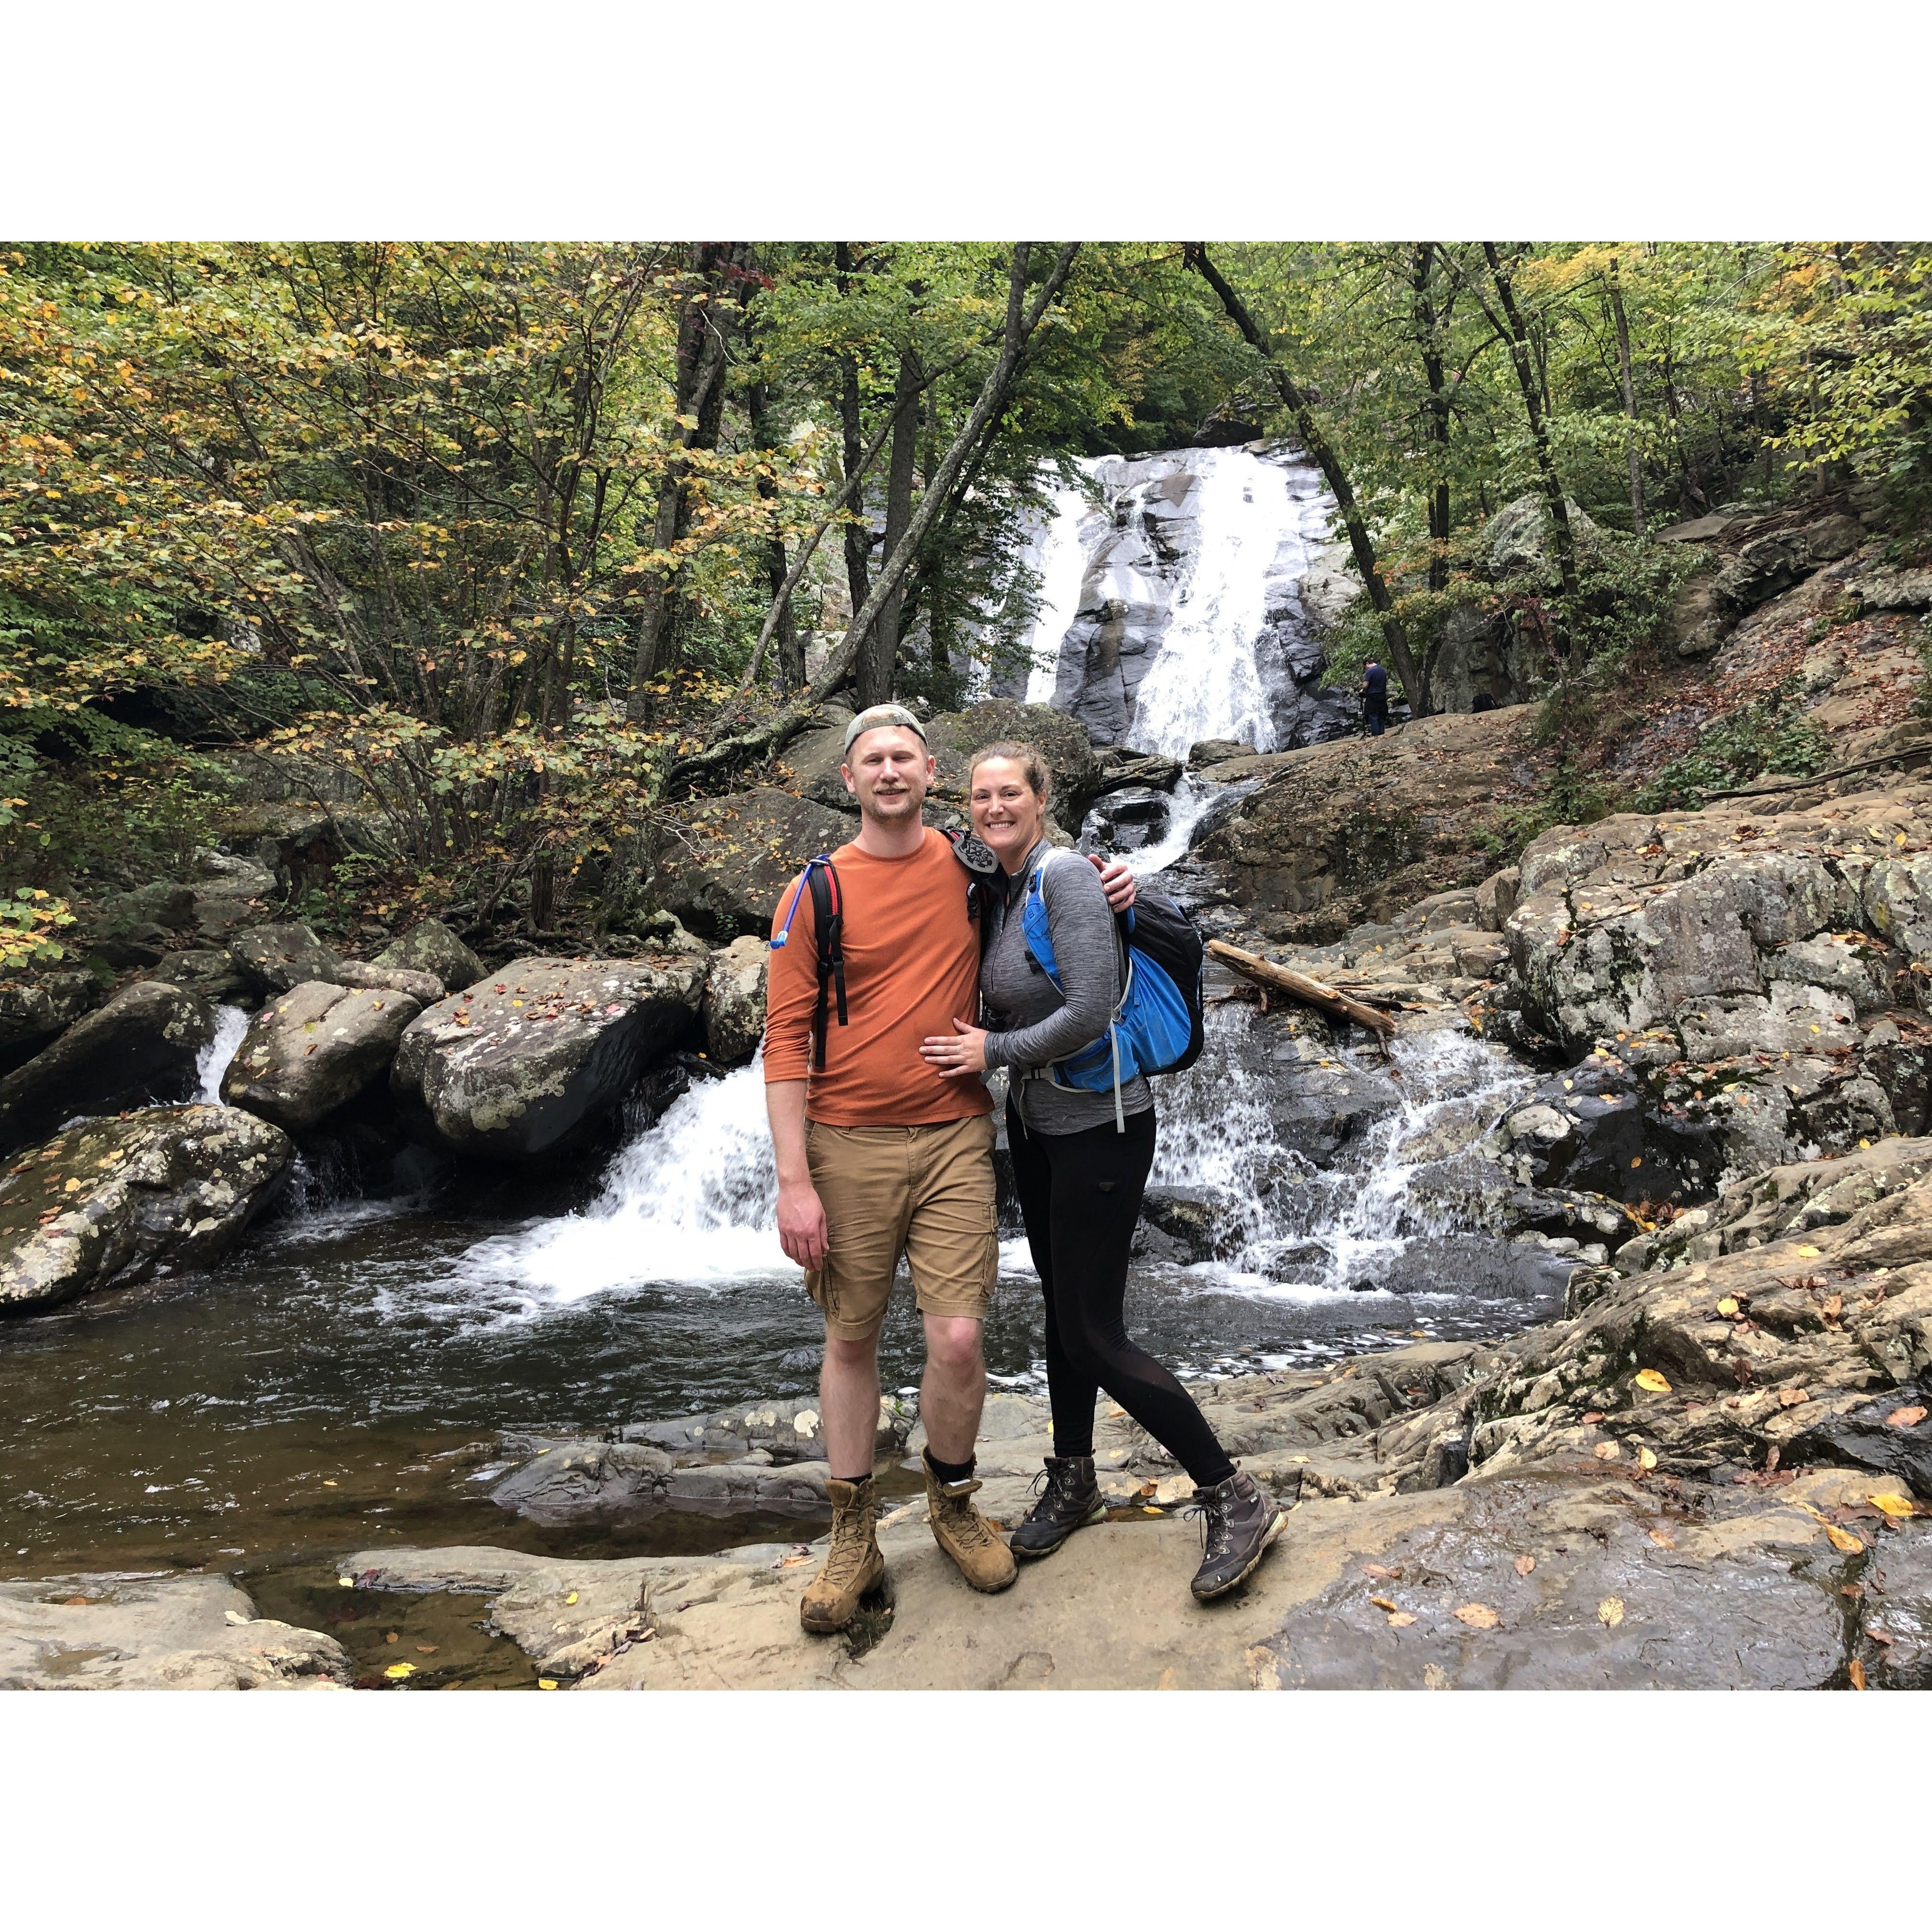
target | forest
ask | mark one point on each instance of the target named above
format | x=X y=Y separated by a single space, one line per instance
x=530 y=541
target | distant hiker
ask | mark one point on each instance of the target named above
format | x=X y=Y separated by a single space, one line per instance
x=1080 y=1156
x=1375 y=698
x=878 y=1155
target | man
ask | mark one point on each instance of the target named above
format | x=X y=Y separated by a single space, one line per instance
x=1375 y=698
x=878 y=1155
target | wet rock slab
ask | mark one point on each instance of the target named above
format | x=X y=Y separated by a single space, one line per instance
x=93 y=1632
x=313 y=1049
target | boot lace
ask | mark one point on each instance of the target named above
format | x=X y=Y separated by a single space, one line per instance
x=1216 y=1533
x=966 y=1523
x=851 y=1546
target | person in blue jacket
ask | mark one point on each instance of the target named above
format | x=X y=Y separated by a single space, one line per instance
x=1375 y=698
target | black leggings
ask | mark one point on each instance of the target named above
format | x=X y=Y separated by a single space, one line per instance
x=1080 y=1195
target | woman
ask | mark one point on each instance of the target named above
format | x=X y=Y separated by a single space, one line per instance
x=1081 y=1172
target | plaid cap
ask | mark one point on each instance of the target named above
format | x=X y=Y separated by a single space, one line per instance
x=881 y=715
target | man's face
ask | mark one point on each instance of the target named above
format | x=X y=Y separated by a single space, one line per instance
x=889 y=771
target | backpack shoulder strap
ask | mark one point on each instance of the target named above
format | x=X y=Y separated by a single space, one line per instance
x=820 y=879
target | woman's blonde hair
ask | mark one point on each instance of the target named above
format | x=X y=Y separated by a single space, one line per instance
x=1032 y=767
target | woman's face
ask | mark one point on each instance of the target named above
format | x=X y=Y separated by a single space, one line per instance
x=1007 y=813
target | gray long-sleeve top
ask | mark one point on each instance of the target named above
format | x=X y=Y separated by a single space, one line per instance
x=1031 y=1025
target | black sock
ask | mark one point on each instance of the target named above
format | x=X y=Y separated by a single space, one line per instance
x=854 y=1479
x=949 y=1472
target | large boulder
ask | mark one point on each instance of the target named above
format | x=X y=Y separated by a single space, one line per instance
x=273 y=959
x=734 y=1000
x=141 y=1046
x=121 y=1633
x=1518 y=541
x=521 y=1063
x=313 y=1050
x=955 y=735
x=230 y=892
x=32 y=1011
x=724 y=863
x=430 y=946
x=112 y=1201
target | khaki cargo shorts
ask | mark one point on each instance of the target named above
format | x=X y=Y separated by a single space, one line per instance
x=926 y=1192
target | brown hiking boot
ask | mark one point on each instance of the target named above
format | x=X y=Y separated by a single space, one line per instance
x=852 y=1566
x=966 y=1536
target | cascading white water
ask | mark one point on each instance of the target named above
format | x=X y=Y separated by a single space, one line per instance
x=1060 y=563
x=693 y=1199
x=231 y=1025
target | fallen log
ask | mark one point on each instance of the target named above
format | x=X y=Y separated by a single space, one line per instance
x=1299 y=986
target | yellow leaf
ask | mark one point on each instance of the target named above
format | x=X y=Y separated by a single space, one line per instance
x=347 y=1583
x=1809 y=1253
x=401 y=1670
x=1478 y=1616
x=1893 y=1505
x=1524 y=1564
x=1648 y=1458
x=1728 y=1306
x=1400 y=1619
x=1857 y=1674
x=1610 y=1611
x=1381 y=1603
x=1844 y=1540
x=572 y=1598
x=1662 y=1539
x=546 y=1683
x=1649 y=1378
x=329 y=1482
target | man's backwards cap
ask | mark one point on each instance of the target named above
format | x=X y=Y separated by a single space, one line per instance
x=881 y=715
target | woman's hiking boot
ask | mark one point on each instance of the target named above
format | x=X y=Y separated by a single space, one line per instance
x=965 y=1535
x=1239 y=1520
x=853 y=1565
x=1070 y=1501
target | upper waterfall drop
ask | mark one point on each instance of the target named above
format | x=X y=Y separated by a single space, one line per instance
x=1170 y=606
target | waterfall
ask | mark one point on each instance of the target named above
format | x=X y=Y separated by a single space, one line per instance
x=1290 y=1226
x=231 y=1024
x=693 y=1199
x=1059 y=559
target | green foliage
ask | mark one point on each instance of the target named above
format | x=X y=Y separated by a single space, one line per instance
x=1771 y=738
x=28 y=923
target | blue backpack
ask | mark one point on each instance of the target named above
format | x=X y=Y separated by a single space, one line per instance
x=1157 y=1026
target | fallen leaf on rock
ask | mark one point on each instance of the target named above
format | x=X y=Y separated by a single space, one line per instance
x=80 y=1603
x=1834 y=1307
x=1893 y=1505
x=1857 y=1674
x=1478 y=1616
x=426 y=1649
x=1662 y=1538
x=546 y=1683
x=572 y=1598
x=1650 y=1379
x=1400 y=1619
x=394 y=1636
x=401 y=1670
x=1855 y=1591
x=345 y=1582
x=1647 y=1458
x=1844 y=1540
x=1728 y=1306
x=1880 y=1636
x=1382 y=1603
x=1791 y=1398
x=1524 y=1564
x=1906 y=1418
x=1606 y=1452
x=1376 y=1570
x=1809 y=1253
x=1610 y=1611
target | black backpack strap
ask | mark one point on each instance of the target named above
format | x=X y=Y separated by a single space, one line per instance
x=983 y=873
x=828 y=919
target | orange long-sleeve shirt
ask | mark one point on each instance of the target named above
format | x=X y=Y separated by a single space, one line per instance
x=912 y=966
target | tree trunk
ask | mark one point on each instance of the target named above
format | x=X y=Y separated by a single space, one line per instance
x=698 y=395
x=790 y=651
x=852 y=428
x=878 y=653
x=1428 y=341
x=1517 y=336
x=1317 y=445
x=1630 y=452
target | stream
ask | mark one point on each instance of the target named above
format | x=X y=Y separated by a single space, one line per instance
x=349 y=1371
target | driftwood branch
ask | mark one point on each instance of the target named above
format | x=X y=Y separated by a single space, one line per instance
x=1912 y=755
x=1300 y=986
